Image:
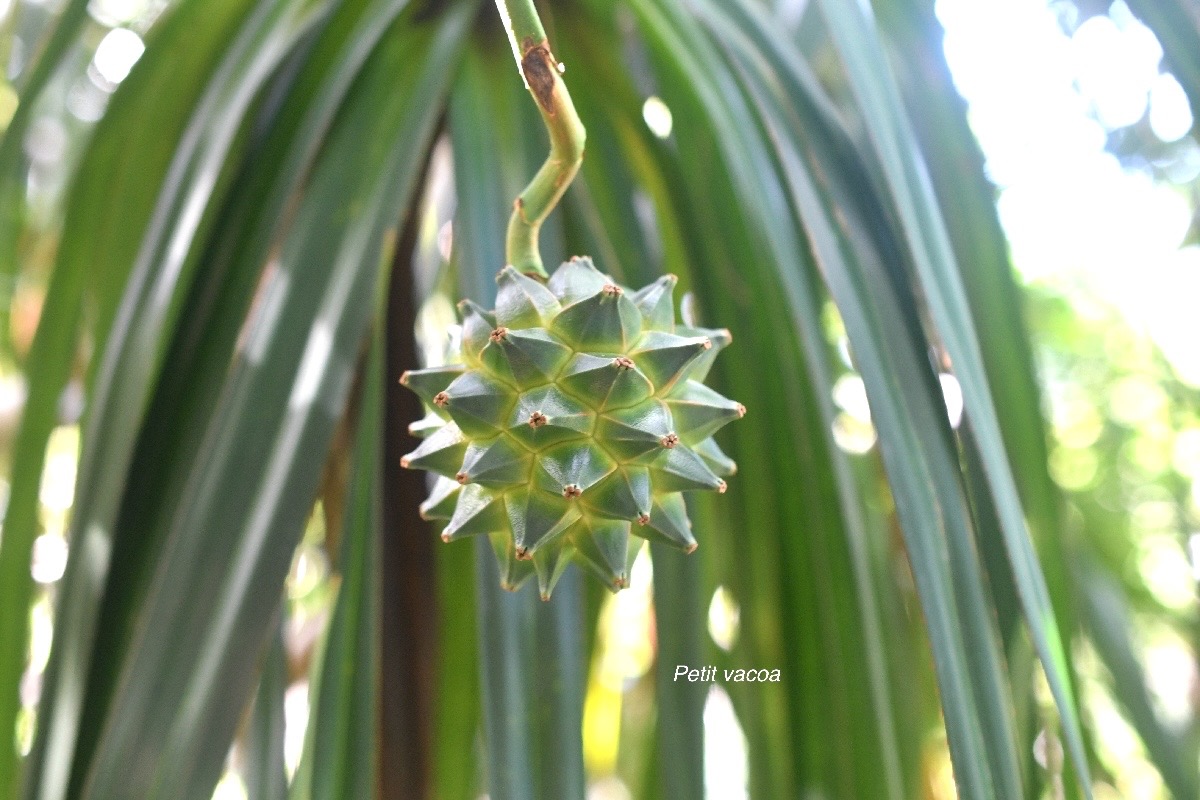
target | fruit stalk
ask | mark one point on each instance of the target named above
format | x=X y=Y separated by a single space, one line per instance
x=542 y=74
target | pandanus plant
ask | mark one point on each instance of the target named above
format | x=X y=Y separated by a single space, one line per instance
x=283 y=193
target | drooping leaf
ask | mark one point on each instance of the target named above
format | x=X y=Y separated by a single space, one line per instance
x=340 y=752
x=265 y=773
x=933 y=259
x=322 y=287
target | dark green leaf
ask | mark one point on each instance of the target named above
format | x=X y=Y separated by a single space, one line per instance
x=939 y=277
x=241 y=506
x=339 y=758
x=265 y=772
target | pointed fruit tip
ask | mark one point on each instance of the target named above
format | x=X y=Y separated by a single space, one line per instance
x=741 y=410
x=404 y=463
x=621 y=582
x=643 y=519
x=612 y=290
x=707 y=345
x=728 y=334
x=499 y=334
x=537 y=419
x=545 y=597
x=508 y=587
x=622 y=362
x=404 y=378
x=721 y=487
x=522 y=554
x=670 y=440
x=461 y=478
x=441 y=399
x=571 y=491
x=446 y=538
x=691 y=548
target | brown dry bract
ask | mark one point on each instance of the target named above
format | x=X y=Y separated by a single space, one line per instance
x=540 y=73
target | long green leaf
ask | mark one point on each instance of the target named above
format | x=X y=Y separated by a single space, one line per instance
x=679 y=620
x=265 y=773
x=340 y=758
x=128 y=369
x=247 y=485
x=925 y=231
x=771 y=255
x=458 y=702
x=967 y=203
x=304 y=97
x=233 y=264
x=923 y=472
x=103 y=245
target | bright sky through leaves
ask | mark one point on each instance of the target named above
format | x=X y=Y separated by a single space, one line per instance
x=1042 y=103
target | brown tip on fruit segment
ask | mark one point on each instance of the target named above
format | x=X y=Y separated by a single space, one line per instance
x=620 y=582
x=621 y=362
x=404 y=378
x=441 y=399
x=691 y=548
x=612 y=290
x=404 y=462
x=707 y=343
x=461 y=477
x=537 y=419
x=643 y=519
x=446 y=538
x=721 y=487
x=728 y=333
x=545 y=597
x=571 y=491
x=523 y=554
x=499 y=334
x=669 y=441
x=508 y=587
x=741 y=410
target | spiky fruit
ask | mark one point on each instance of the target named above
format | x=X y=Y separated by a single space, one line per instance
x=576 y=417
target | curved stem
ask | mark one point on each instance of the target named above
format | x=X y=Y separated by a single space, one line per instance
x=542 y=75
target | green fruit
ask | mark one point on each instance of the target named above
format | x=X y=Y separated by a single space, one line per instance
x=576 y=417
